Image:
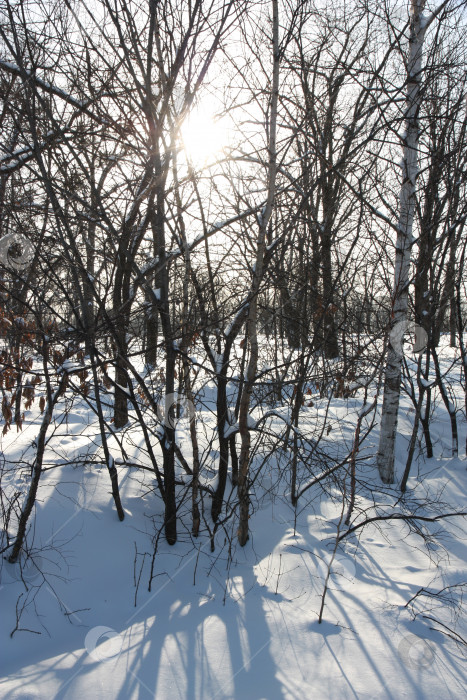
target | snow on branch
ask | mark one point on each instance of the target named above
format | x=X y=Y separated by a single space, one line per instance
x=82 y=105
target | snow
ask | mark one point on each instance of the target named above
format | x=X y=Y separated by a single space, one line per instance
x=230 y=429
x=250 y=421
x=15 y=163
x=251 y=634
x=232 y=626
x=70 y=366
x=17 y=158
x=124 y=389
x=218 y=359
x=16 y=70
x=234 y=321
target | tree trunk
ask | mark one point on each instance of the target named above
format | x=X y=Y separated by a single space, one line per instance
x=121 y=377
x=37 y=466
x=168 y=438
x=244 y=462
x=392 y=380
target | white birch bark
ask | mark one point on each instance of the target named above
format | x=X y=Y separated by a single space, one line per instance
x=392 y=379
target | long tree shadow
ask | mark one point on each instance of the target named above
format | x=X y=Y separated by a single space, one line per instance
x=199 y=647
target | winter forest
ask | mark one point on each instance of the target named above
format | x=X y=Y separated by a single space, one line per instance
x=233 y=349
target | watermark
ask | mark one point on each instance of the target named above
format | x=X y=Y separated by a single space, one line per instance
x=173 y=407
x=416 y=652
x=28 y=570
x=396 y=337
x=103 y=643
x=23 y=694
x=341 y=571
x=16 y=252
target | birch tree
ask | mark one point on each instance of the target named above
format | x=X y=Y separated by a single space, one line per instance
x=418 y=25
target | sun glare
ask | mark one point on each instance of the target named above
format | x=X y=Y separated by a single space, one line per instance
x=203 y=137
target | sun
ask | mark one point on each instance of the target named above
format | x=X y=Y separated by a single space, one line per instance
x=204 y=137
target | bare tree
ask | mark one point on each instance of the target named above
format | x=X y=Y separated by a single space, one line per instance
x=252 y=318
x=418 y=25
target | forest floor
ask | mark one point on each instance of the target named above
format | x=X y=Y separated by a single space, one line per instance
x=237 y=623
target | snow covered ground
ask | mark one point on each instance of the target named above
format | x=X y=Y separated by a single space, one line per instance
x=236 y=623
